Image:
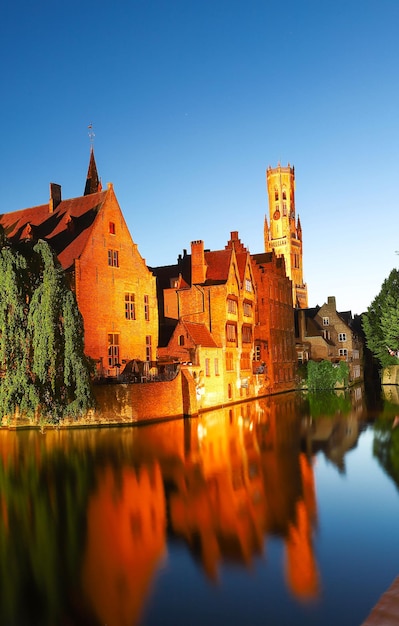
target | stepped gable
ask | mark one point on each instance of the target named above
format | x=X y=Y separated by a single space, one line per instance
x=241 y=253
x=66 y=228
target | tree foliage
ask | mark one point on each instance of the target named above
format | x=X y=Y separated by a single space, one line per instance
x=44 y=369
x=325 y=375
x=381 y=321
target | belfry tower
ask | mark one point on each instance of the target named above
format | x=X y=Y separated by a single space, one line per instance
x=284 y=235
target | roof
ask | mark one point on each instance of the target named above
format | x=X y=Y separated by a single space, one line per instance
x=66 y=228
x=200 y=334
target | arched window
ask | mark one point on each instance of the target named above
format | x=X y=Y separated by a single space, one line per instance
x=181 y=340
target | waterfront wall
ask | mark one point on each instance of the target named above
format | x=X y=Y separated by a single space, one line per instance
x=390 y=375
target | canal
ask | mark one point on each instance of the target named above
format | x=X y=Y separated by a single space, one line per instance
x=278 y=511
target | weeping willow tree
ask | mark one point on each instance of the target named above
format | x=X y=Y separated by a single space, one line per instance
x=43 y=367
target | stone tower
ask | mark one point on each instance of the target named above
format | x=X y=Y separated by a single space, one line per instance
x=284 y=235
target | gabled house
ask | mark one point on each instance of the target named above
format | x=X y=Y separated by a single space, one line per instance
x=208 y=300
x=323 y=333
x=115 y=290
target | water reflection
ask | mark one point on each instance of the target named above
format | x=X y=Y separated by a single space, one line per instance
x=86 y=515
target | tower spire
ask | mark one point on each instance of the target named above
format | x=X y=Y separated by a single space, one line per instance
x=93 y=183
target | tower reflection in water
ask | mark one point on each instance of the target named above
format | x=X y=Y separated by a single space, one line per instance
x=86 y=515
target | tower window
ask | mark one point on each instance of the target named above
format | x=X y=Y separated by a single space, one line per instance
x=276 y=195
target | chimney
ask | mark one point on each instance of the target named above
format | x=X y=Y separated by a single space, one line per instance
x=198 y=267
x=55 y=196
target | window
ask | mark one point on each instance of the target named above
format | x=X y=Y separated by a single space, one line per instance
x=284 y=209
x=248 y=285
x=146 y=308
x=326 y=321
x=112 y=228
x=207 y=367
x=231 y=332
x=113 y=258
x=246 y=334
x=257 y=353
x=216 y=363
x=148 y=348
x=341 y=336
x=231 y=306
x=326 y=334
x=276 y=195
x=181 y=340
x=130 y=307
x=343 y=352
x=284 y=194
x=245 y=362
x=247 y=308
x=229 y=362
x=113 y=349
x=355 y=354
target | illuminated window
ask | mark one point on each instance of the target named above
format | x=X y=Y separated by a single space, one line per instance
x=113 y=349
x=113 y=258
x=231 y=306
x=247 y=308
x=130 y=307
x=229 y=362
x=148 y=348
x=112 y=228
x=146 y=308
x=231 y=332
x=246 y=334
x=342 y=337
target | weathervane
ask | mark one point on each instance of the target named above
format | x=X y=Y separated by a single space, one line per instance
x=91 y=135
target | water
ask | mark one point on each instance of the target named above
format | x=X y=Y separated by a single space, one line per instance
x=280 y=511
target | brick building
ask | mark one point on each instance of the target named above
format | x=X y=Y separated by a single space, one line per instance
x=323 y=333
x=115 y=290
x=274 y=336
x=207 y=318
x=230 y=317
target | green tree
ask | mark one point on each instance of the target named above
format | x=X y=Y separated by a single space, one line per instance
x=41 y=336
x=381 y=321
x=325 y=375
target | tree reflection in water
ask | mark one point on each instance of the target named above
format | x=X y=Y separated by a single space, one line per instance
x=86 y=514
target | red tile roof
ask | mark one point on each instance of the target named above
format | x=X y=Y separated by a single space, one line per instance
x=66 y=229
x=200 y=334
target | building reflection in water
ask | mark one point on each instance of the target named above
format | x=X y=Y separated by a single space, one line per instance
x=100 y=504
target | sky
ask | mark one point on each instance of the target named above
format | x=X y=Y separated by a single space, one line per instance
x=191 y=101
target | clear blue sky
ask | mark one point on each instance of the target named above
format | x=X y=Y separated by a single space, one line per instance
x=192 y=100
